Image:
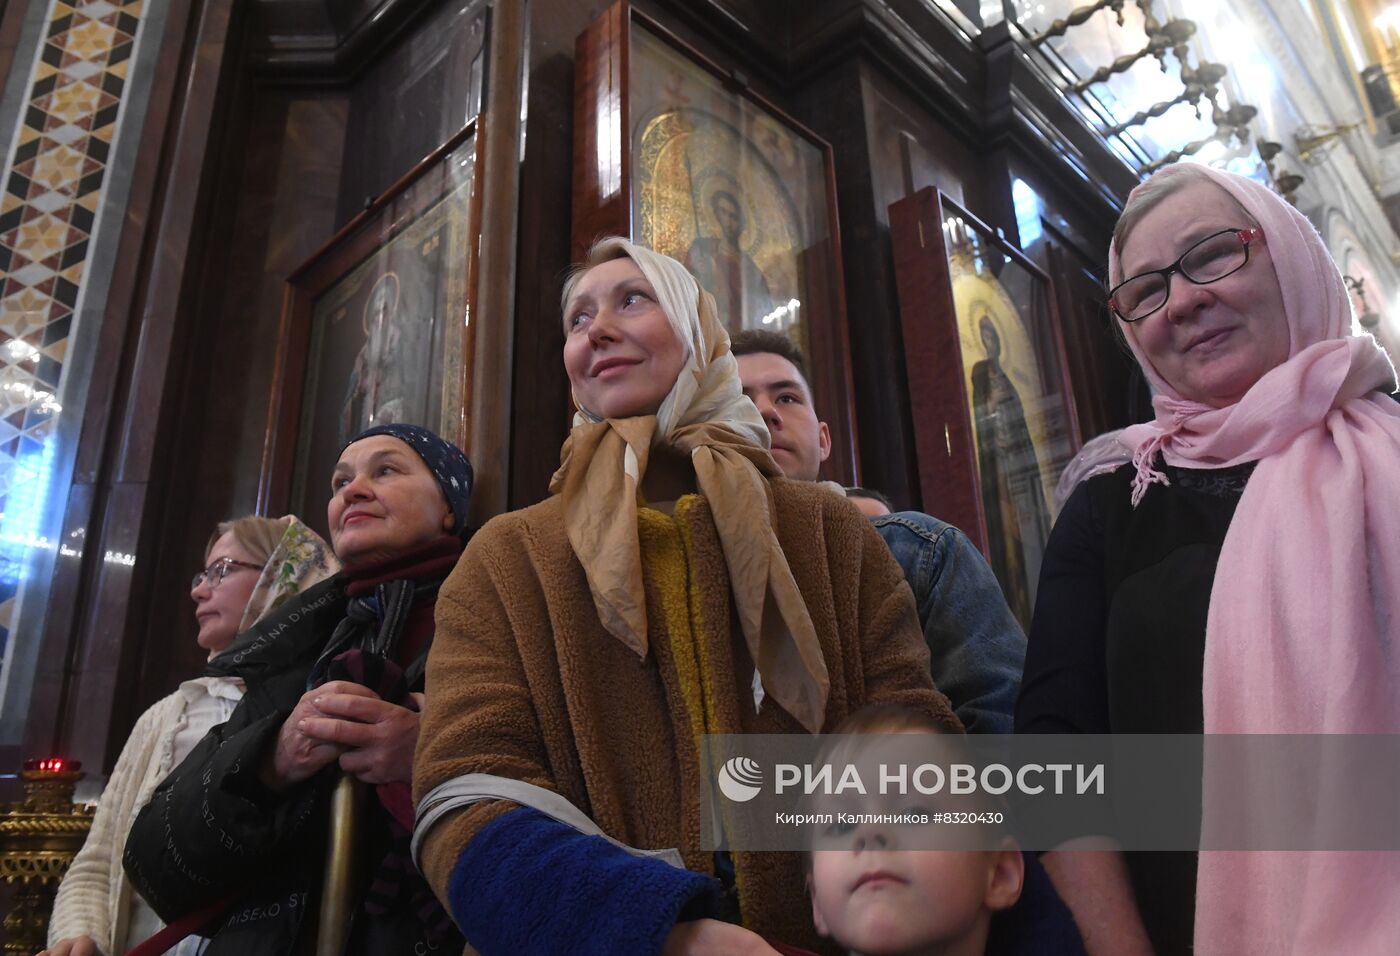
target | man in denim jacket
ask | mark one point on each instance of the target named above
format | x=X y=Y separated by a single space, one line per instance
x=976 y=647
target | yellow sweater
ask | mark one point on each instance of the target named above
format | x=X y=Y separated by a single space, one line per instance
x=524 y=682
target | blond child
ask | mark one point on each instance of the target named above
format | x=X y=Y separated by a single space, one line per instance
x=872 y=896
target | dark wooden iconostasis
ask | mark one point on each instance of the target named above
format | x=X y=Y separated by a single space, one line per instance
x=282 y=121
x=296 y=115
x=309 y=130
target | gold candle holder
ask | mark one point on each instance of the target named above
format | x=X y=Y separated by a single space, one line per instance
x=39 y=836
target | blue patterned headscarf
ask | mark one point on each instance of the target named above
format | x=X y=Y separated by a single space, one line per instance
x=447 y=462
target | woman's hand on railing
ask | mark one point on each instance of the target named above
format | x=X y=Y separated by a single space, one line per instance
x=376 y=738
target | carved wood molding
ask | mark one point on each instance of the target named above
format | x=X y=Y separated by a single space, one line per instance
x=983 y=88
x=323 y=42
x=1024 y=110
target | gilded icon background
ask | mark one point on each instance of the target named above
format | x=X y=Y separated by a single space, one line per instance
x=726 y=188
x=1020 y=420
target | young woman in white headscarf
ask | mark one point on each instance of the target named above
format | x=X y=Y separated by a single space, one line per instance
x=674 y=585
x=1240 y=576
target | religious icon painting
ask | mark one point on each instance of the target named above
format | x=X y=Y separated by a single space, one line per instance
x=679 y=155
x=377 y=327
x=711 y=188
x=994 y=419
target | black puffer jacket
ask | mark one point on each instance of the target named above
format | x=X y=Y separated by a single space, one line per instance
x=213 y=833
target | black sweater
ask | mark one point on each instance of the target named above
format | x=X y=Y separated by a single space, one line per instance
x=1117 y=644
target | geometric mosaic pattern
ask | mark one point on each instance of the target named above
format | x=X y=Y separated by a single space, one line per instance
x=52 y=193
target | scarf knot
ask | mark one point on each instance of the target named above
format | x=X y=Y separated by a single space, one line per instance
x=1146 y=475
x=380 y=602
x=706 y=416
x=372 y=624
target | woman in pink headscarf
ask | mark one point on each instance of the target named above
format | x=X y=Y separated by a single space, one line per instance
x=1238 y=576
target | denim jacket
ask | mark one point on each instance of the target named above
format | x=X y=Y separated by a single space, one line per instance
x=977 y=648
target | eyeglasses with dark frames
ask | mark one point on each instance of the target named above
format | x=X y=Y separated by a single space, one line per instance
x=1213 y=258
x=219 y=570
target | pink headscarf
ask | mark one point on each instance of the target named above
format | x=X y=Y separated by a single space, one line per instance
x=1301 y=635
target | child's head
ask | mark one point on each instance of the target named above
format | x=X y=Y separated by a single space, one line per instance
x=873 y=897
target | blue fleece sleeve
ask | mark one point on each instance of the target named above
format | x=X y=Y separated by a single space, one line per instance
x=529 y=884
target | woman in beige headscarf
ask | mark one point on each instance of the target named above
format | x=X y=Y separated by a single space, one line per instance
x=672 y=586
x=252 y=566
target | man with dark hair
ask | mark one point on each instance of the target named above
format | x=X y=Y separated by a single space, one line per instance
x=774 y=374
x=758 y=341
x=977 y=649
x=871 y=503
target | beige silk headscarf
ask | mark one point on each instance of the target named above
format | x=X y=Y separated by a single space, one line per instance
x=707 y=415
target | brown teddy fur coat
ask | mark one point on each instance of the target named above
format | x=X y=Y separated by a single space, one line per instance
x=524 y=682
